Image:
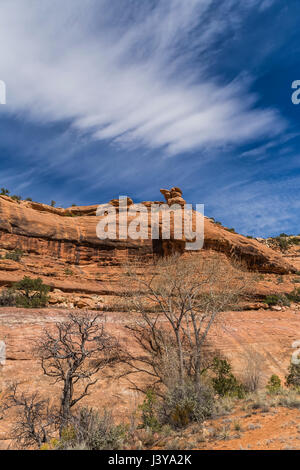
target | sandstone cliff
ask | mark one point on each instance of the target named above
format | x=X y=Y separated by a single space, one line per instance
x=69 y=235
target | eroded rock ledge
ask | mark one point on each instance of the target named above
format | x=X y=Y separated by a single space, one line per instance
x=70 y=235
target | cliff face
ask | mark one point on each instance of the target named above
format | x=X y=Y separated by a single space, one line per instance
x=69 y=235
x=61 y=247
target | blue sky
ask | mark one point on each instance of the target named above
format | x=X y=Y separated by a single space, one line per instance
x=124 y=97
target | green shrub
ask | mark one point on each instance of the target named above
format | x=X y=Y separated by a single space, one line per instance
x=16 y=198
x=292 y=379
x=185 y=404
x=294 y=296
x=90 y=431
x=7 y=298
x=283 y=242
x=4 y=192
x=274 y=385
x=279 y=299
x=14 y=255
x=31 y=293
x=224 y=382
x=294 y=241
x=149 y=411
x=68 y=272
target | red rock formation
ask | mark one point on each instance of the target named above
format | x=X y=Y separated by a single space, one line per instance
x=61 y=246
x=70 y=235
x=174 y=196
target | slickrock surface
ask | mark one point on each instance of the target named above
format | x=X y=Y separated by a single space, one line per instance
x=269 y=428
x=269 y=333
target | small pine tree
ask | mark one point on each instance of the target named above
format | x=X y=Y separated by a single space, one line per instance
x=4 y=192
x=292 y=379
x=225 y=383
x=148 y=408
x=274 y=385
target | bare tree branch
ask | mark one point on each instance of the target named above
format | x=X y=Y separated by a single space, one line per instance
x=74 y=353
x=177 y=300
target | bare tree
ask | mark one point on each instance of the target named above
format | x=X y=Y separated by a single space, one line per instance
x=34 y=421
x=177 y=301
x=253 y=369
x=73 y=354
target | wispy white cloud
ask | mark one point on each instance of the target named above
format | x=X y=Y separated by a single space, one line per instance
x=279 y=145
x=19 y=179
x=266 y=4
x=133 y=72
x=259 y=208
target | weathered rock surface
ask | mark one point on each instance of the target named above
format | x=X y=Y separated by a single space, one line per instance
x=268 y=333
x=174 y=196
x=69 y=235
x=61 y=247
